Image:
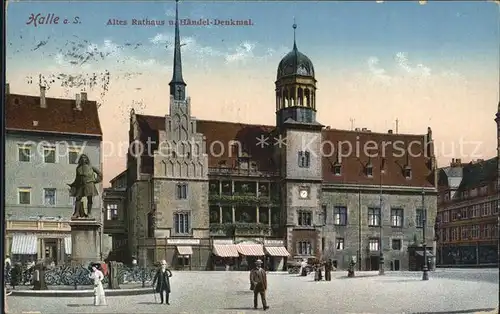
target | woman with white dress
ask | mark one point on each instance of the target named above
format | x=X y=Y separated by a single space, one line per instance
x=98 y=276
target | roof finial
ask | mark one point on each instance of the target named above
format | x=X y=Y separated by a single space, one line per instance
x=294 y=30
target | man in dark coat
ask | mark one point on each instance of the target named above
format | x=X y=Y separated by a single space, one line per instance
x=328 y=270
x=162 y=281
x=258 y=277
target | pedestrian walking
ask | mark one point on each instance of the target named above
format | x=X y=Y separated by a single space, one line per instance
x=97 y=276
x=328 y=270
x=259 y=279
x=162 y=281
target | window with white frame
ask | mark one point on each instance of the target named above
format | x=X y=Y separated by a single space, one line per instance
x=24 y=152
x=304 y=248
x=73 y=155
x=373 y=217
x=464 y=233
x=304 y=159
x=49 y=197
x=182 y=190
x=49 y=154
x=396 y=244
x=397 y=217
x=374 y=244
x=419 y=218
x=339 y=243
x=112 y=212
x=486 y=209
x=182 y=223
x=494 y=207
x=304 y=218
x=340 y=215
x=475 y=231
x=24 y=196
x=446 y=216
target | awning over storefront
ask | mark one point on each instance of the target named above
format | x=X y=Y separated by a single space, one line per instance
x=421 y=253
x=67 y=245
x=24 y=244
x=251 y=249
x=226 y=250
x=185 y=250
x=277 y=251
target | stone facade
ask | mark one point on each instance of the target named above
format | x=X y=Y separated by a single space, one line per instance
x=184 y=193
x=357 y=232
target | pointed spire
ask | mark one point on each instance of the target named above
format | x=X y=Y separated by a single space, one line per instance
x=177 y=84
x=294 y=31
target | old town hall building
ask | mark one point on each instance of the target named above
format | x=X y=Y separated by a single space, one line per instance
x=217 y=194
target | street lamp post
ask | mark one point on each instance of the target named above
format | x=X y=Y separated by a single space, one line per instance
x=381 y=258
x=425 y=274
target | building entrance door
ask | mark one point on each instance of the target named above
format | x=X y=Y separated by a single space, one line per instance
x=51 y=250
x=374 y=260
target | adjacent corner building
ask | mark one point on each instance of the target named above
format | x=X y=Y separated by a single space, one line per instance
x=45 y=137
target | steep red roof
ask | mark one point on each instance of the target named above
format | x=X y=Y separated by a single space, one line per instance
x=377 y=149
x=219 y=133
x=24 y=113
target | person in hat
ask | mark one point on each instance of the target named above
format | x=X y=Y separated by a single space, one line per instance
x=97 y=276
x=162 y=282
x=258 y=277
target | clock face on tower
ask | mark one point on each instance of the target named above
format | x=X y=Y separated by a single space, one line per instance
x=303 y=193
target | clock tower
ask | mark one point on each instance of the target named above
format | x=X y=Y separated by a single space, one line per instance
x=299 y=149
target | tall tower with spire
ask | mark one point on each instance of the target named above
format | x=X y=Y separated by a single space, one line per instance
x=180 y=165
x=300 y=153
x=177 y=84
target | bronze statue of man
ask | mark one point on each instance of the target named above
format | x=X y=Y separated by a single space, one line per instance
x=86 y=178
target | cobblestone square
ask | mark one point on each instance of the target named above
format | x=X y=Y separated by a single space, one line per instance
x=228 y=292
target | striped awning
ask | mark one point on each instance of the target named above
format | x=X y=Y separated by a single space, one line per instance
x=277 y=251
x=24 y=244
x=67 y=245
x=185 y=250
x=225 y=250
x=251 y=249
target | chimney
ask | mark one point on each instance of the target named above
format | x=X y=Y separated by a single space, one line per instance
x=356 y=129
x=452 y=164
x=83 y=96
x=390 y=131
x=459 y=161
x=364 y=129
x=78 y=102
x=43 y=101
x=7 y=89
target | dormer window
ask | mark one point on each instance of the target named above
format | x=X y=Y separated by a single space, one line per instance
x=337 y=169
x=407 y=172
x=369 y=170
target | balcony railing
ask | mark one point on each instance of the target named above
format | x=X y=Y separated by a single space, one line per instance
x=240 y=229
x=227 y=171
x=243 y=199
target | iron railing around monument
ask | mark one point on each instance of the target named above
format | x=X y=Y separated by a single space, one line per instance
x=78 y=276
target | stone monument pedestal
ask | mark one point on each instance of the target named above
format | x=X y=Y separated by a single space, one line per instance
x=85 y=241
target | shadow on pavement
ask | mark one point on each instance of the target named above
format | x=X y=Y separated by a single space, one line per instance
x=80 y=305
x=241 y=292
x=149 y=302
x=457 y=312
x=248 y=308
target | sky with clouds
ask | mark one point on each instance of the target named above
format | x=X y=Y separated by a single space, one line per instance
x=431 y=65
